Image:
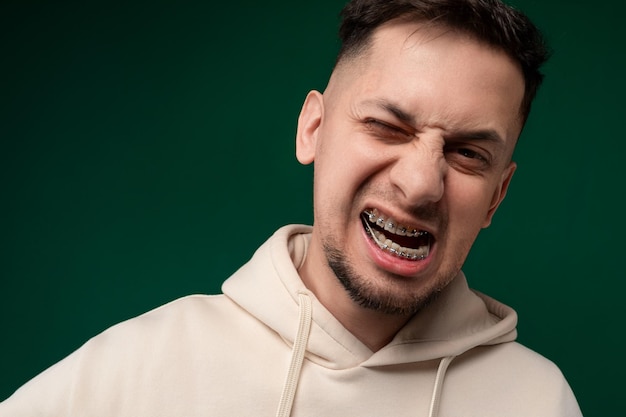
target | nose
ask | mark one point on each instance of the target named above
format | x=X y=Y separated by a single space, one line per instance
x=419 y=171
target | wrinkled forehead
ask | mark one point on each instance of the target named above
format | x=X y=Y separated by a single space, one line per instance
x=433 y=68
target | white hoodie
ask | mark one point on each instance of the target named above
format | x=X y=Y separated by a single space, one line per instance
x=268 y=347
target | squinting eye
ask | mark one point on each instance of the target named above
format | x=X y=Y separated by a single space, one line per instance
x=468 y=153
x=377 y=124
x=467 y=159
x=386 y=129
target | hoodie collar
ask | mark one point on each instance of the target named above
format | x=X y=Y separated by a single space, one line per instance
x=268 y=287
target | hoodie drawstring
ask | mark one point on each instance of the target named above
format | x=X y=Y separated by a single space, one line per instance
x=297 y=357
x=436 y=398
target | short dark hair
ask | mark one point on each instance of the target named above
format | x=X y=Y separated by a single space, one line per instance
x=489 y=21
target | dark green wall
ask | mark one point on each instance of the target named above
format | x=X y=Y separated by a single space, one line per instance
x=147 y=149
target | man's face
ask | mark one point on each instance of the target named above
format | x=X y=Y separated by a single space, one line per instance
x=412 y=146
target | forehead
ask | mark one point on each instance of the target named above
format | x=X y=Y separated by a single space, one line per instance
x=439 y=76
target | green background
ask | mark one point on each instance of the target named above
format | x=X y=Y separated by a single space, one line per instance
x=147 y=149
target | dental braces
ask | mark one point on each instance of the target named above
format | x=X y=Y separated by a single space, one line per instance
x=380 y=221
x=383 y=246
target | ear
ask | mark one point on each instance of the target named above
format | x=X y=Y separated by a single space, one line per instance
x=309 y=122
x=500 y=192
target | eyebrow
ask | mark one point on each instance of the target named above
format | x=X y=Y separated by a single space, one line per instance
x=488 y=135
x=393 y=109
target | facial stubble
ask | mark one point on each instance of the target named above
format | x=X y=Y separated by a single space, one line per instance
x=387 y=294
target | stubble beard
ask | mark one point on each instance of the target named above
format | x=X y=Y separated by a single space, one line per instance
x=389 y=295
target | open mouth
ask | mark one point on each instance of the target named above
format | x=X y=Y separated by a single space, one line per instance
x=396 y=239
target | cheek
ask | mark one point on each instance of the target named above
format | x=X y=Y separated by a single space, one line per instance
x=469 y=199
x=346 y=160
x=333 y=176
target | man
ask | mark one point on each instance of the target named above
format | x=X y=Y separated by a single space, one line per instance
x=367 y=312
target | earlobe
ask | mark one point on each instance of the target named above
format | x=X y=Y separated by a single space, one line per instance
x=500 y=192
x=309 y=122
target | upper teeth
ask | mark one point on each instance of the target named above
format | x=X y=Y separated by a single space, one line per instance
x=391 y=226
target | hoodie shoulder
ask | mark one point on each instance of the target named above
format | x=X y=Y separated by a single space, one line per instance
x=129 y=359
x=521 y=378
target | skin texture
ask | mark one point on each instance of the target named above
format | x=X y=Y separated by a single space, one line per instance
x=422 y=127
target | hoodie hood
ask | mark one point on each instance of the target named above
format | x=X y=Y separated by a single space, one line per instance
x=458 y=320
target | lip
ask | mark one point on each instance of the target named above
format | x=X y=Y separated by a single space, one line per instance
x=392 y=263
x=401 y=218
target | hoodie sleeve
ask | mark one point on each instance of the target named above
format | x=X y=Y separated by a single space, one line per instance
x=114 y=369
x=47 y=394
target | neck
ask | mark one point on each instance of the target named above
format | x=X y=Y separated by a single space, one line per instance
x=373 y=328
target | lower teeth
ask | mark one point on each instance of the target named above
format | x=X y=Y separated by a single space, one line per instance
x=395 y=249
